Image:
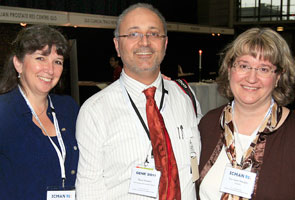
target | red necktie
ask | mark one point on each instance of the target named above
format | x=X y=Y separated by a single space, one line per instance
x=169 y=188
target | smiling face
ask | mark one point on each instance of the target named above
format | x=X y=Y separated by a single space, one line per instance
x=250 y=88
x=142 y=57
x=39 y=71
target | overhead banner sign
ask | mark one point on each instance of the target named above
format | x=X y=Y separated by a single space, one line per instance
x=37 y=16
x=172 y=26
x=226 y=31
x=26 y=15
x=94 y=21
x=193 y=28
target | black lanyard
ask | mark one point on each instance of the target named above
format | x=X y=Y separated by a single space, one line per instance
x=138 y=114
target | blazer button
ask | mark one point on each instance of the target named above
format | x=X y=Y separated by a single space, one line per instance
x=73 y=172
x=63 y=129
x=75 y=148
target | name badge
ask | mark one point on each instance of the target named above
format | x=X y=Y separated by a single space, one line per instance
x=238 y=182
x=59 y=193
x=195 y=168
x=145 y=181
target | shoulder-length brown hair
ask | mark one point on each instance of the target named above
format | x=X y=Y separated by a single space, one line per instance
x=271 y=47
x=29 y=40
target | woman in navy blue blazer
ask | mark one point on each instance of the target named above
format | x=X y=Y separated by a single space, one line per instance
x=38 y=149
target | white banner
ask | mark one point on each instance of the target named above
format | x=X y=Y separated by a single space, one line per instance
x=95 y=21
x=26 y=15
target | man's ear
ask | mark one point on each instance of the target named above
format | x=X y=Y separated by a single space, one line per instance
x=166 y=42
x=116 y=42
x=18 y=65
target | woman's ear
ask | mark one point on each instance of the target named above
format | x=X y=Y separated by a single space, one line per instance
x=228 y=73
x=277 y=80
x=18 y=65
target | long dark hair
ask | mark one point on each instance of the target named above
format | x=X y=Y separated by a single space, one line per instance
x=29 y=40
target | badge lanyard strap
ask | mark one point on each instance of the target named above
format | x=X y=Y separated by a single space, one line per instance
x=266 y=115
x=149 y=153
x=138 y=114
x=61 y=155
x=132 y=105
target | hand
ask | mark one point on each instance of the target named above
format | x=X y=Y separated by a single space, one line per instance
x=166 y=77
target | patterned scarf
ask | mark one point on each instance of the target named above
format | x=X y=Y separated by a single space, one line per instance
x=253 y=156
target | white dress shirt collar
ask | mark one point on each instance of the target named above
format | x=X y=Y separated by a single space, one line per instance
x=135 y=88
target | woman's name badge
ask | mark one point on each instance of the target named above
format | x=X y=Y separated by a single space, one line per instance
x=145 y=181
x=238 y=182
x=60 y=193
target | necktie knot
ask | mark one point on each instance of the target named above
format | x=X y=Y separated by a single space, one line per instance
x=150 y=92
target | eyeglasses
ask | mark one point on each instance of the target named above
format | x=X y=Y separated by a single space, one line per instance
x=263 y=71
x=135 y=36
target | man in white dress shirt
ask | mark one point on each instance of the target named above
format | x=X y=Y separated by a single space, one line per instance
x=112 y=139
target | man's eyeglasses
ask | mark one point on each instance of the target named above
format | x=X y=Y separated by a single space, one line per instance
x=135 y=36
x=263 y=71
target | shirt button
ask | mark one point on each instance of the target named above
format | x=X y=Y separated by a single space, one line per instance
x=75 y=148
x=73 y=172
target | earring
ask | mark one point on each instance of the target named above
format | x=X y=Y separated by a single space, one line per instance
x=18 y=75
